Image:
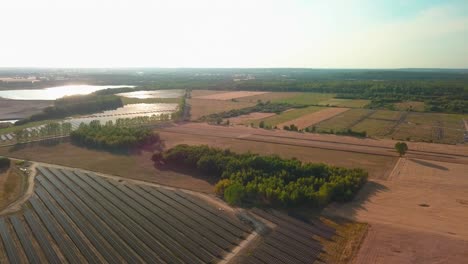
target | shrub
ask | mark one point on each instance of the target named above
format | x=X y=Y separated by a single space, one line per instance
x=4 y=162
x=234 y=193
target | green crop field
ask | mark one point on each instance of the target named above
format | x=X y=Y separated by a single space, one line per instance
x=431 y=127
x=287 y=116
x=345 y=103
x=374 y=127
x=343 y=121
x=307 y=98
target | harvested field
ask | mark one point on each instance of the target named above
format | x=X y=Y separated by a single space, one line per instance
x=247 y=119
x=285 y=144
x=78 y=217
x=288 y=115
x=388 y=245
x=203 y=107
x=425 y=203
x=228 y=95
x=344 y=120
x=307 y=98
x=314 y=118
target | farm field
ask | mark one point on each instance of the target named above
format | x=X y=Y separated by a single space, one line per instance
x=344 y=120
x=423 y=202
x=203 y=107
x=355 y=103
x=74 y=216
x=314 y=118
x=307 y=98
x=271 y=96
x=228 y=95
x=247 y=119
x=136 y=166
x=431 y=127
x=287 y=116
x=399 y=125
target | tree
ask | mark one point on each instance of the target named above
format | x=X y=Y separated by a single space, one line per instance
x=261 y=124
x=401 y=148
x=234 y=194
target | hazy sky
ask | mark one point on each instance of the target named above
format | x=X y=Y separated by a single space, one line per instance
x=253 y=33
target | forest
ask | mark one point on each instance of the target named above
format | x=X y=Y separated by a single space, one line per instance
x=251 y=179
x=112 y=136
x=75 y=105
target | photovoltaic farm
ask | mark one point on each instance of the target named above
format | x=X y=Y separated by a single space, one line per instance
x=288 y=240
x=79 y=217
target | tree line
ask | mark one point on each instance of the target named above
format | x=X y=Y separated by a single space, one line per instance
x=111 y=136
x=75 y=105
x=267 y=180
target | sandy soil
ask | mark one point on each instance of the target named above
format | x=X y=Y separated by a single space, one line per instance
x=244 y=119
x=421 y=210
x=229 y=95
x=202 y=107
x=17 y=109
x=389 y=244
x=314 y=118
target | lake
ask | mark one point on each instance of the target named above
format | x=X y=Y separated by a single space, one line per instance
x=127 y=111
x=176 y=93
x=53 y=93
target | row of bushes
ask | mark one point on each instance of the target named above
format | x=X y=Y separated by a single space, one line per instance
x=75 y=105
x=269 y=180
x=113 y=137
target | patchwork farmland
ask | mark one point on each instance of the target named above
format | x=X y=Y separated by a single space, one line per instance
x=75 y=216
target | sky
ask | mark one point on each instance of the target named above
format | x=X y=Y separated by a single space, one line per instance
x=234 y=34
